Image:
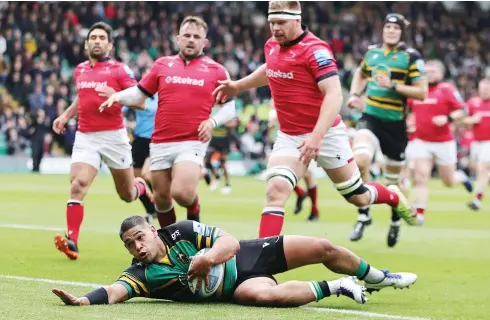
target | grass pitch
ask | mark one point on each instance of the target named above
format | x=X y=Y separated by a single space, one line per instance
x=450 y=253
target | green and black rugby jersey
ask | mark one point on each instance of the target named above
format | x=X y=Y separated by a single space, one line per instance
x=219 y=131
x=404 y=65
x=168 y=278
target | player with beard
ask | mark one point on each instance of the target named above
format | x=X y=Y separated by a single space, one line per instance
x=391 y=73
x=302 y=74
x=434 y=140
x=183 y=125
x=101 y=137
x=479 y=110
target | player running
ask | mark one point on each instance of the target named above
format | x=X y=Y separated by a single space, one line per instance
x=393 y=72
x=183 y=125
x=220 y=144
x=143 y=129
x=161 y=268
x=310 y=180
x=434 y=140
x=479 y=111
x=101 y=137
x=302 y=74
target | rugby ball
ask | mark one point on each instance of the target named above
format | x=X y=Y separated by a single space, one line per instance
x=215 y=276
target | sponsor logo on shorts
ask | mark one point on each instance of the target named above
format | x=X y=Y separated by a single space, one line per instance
x=185 y=80
x=279 y=74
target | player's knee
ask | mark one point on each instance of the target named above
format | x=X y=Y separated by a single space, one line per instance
x=281 y=180
x=325 y=249
x=421 y=177
x=183 y=196
x=354 y=190
x=127 y=195
x=78 y=187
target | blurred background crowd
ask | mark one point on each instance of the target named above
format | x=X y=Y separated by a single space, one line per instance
x=42 y=42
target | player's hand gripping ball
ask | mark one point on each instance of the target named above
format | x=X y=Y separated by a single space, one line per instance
x=215 y=279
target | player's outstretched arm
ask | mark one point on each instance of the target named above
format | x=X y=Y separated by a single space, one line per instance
x=132 y=97
x=114 y=293
x=229 y=88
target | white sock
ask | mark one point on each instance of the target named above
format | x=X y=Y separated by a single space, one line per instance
x=374 y=275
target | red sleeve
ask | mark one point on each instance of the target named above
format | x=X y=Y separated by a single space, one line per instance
x=125 y=77
x=456 y=101
x=321 y=62
x=222 y=74
x=149 y=84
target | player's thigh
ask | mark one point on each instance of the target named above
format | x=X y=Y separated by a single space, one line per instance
x=123 y=181
x=115 y=150
x=365 y=142
x=253 y=291
x=161 y=181
x=185 y=176
x=145 y=171
x=422 y=170
x=85 y=153
x=285 y=154
x=300 y=251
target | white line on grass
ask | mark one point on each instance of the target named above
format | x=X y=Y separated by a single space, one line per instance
x=342 y=311
x=30 y=227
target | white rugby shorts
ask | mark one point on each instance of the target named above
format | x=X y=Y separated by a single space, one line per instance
x=165 y=155
x=444 y=153
x=111 y=147
x=335 y=151
x=480 y=151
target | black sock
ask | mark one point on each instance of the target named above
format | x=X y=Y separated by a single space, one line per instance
x=149 y=206
x=325 y=289
x=207 y=178
x=394 y=216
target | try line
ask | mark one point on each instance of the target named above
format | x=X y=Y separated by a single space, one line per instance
x=342 y=311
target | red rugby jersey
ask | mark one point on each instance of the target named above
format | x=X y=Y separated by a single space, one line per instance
x=184 y=95
x=443 y=98
x=481 y=130
x=105 y=72
x=293 y=72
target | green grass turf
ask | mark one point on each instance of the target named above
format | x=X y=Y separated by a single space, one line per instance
x=450 y=253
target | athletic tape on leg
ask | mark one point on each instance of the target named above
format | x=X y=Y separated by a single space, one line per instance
x=284 y=173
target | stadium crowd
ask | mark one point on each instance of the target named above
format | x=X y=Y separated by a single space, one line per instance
x=41 y=43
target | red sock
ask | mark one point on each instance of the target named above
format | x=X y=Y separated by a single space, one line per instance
x=166 y=218
x=74 y=218
x=479 y=196
x=312 y=194
x=271 y=222
x=384 y=195
x=300 y=192
x=140 y=187
x=420 y=211
x=194 y=208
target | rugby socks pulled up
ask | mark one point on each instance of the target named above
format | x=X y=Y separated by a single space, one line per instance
x=312 y=193
x=323 y=289
x=74 y=218
x=369 y=274
x=381 y=194
x=166 y=218
x=193 y=209
x=299 y=191
x=271 y=222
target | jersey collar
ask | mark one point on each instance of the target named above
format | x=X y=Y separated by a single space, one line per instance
x=101 y=60
x=298 y=39
x=186 y=62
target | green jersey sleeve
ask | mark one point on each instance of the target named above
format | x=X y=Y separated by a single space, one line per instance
x=134 y=279
x=416 y=66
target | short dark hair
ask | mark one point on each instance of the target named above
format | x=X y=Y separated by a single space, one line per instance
x=130 y=223
x=103 y=26
x=198 y=21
